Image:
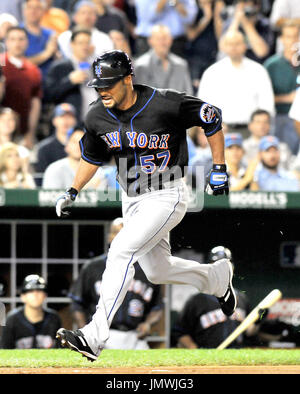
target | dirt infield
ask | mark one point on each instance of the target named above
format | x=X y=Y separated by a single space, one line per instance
x=258 y=369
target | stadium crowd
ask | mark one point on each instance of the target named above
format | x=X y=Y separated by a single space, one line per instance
x=240 y=55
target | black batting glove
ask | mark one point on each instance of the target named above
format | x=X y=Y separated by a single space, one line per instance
x=262 y=313
x=65 y=201
x=217 y=180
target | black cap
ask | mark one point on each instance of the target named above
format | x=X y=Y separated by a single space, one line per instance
x=33 y=282
x=109 y=68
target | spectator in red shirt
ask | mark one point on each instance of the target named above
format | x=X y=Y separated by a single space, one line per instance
x=23 y=80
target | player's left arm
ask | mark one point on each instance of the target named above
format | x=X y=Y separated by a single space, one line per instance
x=217 y=179
x=195 y=112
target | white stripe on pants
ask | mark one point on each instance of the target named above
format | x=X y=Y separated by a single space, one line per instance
x=148 y=220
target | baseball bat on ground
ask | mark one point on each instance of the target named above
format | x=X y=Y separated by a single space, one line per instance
x=266 y=303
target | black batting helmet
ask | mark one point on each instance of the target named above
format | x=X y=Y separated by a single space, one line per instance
x=218 y=253
x=33 y=282
x=109 y=68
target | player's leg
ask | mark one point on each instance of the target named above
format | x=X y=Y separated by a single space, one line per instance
x=148 y=219
x=162 y=268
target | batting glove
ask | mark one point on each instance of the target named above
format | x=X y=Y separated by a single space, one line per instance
x=217 y=180
x=65 y=201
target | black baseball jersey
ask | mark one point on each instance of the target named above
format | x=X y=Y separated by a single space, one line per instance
x=141 y=298
x=203 y=320
x=20 y=333
x=148 y=140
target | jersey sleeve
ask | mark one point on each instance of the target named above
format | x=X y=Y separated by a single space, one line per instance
x=93 y=149
x=195 y=112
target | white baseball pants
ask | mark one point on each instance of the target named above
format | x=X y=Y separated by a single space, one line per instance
x=148 y=220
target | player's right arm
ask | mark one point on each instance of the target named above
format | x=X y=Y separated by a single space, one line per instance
x=84 y=174
x=93 y=154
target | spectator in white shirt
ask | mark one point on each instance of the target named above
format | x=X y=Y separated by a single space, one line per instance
x=294 y=112
x=237 y=84
x=283 y=10
x=85 y=17
x=59 y=174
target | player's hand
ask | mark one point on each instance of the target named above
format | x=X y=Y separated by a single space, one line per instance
x=217 y=180
x=262 y=315
x=143 y=329
x=65 y=201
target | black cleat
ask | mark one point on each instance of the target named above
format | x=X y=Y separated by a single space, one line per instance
x=228 y=301
x=75 y=340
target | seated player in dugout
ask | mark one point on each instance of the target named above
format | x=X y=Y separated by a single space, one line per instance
x=31 y=326
x=141 y=309
x=202 y=324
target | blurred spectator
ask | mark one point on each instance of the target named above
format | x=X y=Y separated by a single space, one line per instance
x=110 y=17
x=294 y=112
x=53 y=148
x=237 y=84
x=42 y=43
x=159 y=67
x=202 y=324
x=234 y=153
x=141 y=308
x=12 y=173
x=6 y=21
x=23 y=91
x=2 y=84
x=260 y=126
x=67 y=77
x=64 y=5
x=200 y=162
x=268 y=175
x=258 y=32
x=199 y=140
x=60 y=174
x=177 y=15
x=285 y=88
x=111 y=175
x=55 y=18
x=202 y=43
x=119 y=41
x=85 y=17
x=10 y=132
x=283 y=10
x=240 y=176
x=31 y=326
x=13 y=7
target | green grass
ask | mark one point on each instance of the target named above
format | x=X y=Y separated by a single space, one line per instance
x=150 y=358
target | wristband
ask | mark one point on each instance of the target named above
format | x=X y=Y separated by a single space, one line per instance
x=73 y=192
x=219 y=167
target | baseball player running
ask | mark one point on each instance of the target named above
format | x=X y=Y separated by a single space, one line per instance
x=144 y=129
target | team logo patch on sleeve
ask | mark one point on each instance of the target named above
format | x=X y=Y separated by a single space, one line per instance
x=207 y=113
